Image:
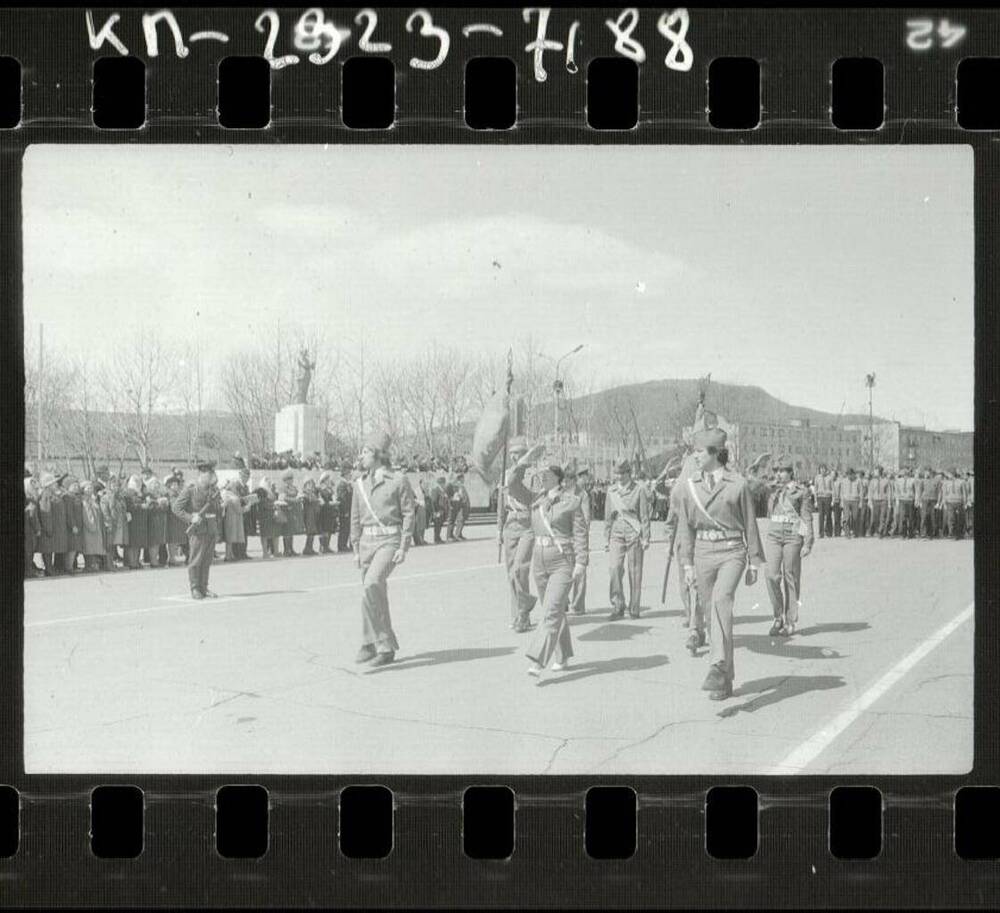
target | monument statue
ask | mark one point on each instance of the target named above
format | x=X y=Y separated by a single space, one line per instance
x=306 y=368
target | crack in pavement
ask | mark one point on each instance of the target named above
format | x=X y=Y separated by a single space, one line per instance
x=656 y=732
x=552 y=758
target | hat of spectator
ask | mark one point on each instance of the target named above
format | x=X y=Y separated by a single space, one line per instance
x=325 y=476
x=379 y=441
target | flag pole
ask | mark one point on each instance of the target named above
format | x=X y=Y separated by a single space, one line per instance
x=502 y=491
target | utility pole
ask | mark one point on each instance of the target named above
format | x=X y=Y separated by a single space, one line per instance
x=38 y=389
x=870 y=383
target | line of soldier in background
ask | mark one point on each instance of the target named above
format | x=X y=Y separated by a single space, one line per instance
x=927 y=503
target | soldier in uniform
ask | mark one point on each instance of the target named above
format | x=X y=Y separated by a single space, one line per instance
x=439 y=506
x=515 y=532
x=850 y=499
x=789 y=540
x=199 y=506
x=903 y=492
x=578 y=591
x=955 y=496
x=719 y=538
x=694 y=615
x=930 y=494
x=459 y=499
x=837 y=506
x=382 y=516
x=626 y=536
x=878 y=490
x=823 y=487
x=969 y=503
x=561 y=553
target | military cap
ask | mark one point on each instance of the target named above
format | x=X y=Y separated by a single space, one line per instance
x=624 y=466
x=710 y=437
x=379 y=441
x=517 y=444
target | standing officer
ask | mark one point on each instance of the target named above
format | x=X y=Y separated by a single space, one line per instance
x=789 y=540
x=879 y=489
x=850 y=499
x=719 y=537
x=578 y=590
x=903 y=491
x=382 y=516
x=969 y=503
x=930 y=494
x=439 y=506
x=514 y=530
x=626 y=534
x=823 y=486
x=200 y=507
x=560 y=555
x=459 y=508
x=837 y=507
x=955 y=496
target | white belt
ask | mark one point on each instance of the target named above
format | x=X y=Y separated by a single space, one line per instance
x=784 y=518
x=380 y=530
x=549 y=540
x=716 y=535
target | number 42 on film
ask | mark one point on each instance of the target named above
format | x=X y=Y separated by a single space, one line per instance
x=321 y=38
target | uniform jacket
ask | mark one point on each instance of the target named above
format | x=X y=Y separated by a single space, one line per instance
x=626 y=511
x=793 y=500
x=74 y=520
x=849 y=489
x=438 y=503
x=114 y=509
x=194 y=498
x=729 y=504
x=389 y=496
x=823 y=485
x=232 y=517
x=879 y=489
x=955 y=491
x=556 y=514
x=903 y=488
x=927 y=490
x=517 y=515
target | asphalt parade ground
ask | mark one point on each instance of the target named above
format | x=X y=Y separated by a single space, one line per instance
x=125 y=673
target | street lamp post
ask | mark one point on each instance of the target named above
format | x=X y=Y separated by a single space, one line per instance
x=870 y=383
x=557 y=389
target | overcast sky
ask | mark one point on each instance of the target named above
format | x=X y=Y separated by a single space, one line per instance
x=796 y=269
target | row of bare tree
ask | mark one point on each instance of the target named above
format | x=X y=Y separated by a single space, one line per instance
x=111 y=408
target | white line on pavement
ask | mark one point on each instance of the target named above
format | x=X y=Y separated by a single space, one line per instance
x=815 y=745
x=203 y=604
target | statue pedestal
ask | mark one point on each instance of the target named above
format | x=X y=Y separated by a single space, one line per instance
x=301 y=428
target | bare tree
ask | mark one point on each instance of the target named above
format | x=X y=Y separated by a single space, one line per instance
x=134 y=383
x=249 y=390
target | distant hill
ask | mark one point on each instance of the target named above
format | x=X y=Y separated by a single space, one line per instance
x=663 y=407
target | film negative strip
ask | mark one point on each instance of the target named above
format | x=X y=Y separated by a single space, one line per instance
x=472 y=307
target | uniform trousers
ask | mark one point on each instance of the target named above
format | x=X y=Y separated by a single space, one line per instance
x=876 y=524
x=953 y=519
x=968 y=521
x=439 y=518
x=718 y=567
x=904 y=519
x=927 y=524
x=625 y=549
x=837 y=517
x=456 y=522
x=201 y=551
x=419 y=523
x=376 y=565
x=518 y=544
x=578 y=596
x=553 y=573
x=693 y=610
x=851 y=518
x=783 y=574
x=824 y=504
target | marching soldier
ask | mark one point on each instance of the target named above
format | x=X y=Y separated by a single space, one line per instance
x=719 y=538
x=694 y=615
x=560 y=555
x=789 y=540
x=518 y=538
x=626 y=532
x=200 y=507
x=382 y=517
x=578 y=591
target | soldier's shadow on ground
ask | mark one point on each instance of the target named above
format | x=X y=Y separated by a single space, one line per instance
x=783 y=646
x=750 y=619
x=602 y=667
x=242 y=595
x=600 y=616
x=616 y=631
x=440 y=657
x=837 y=627
x=779 y=688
